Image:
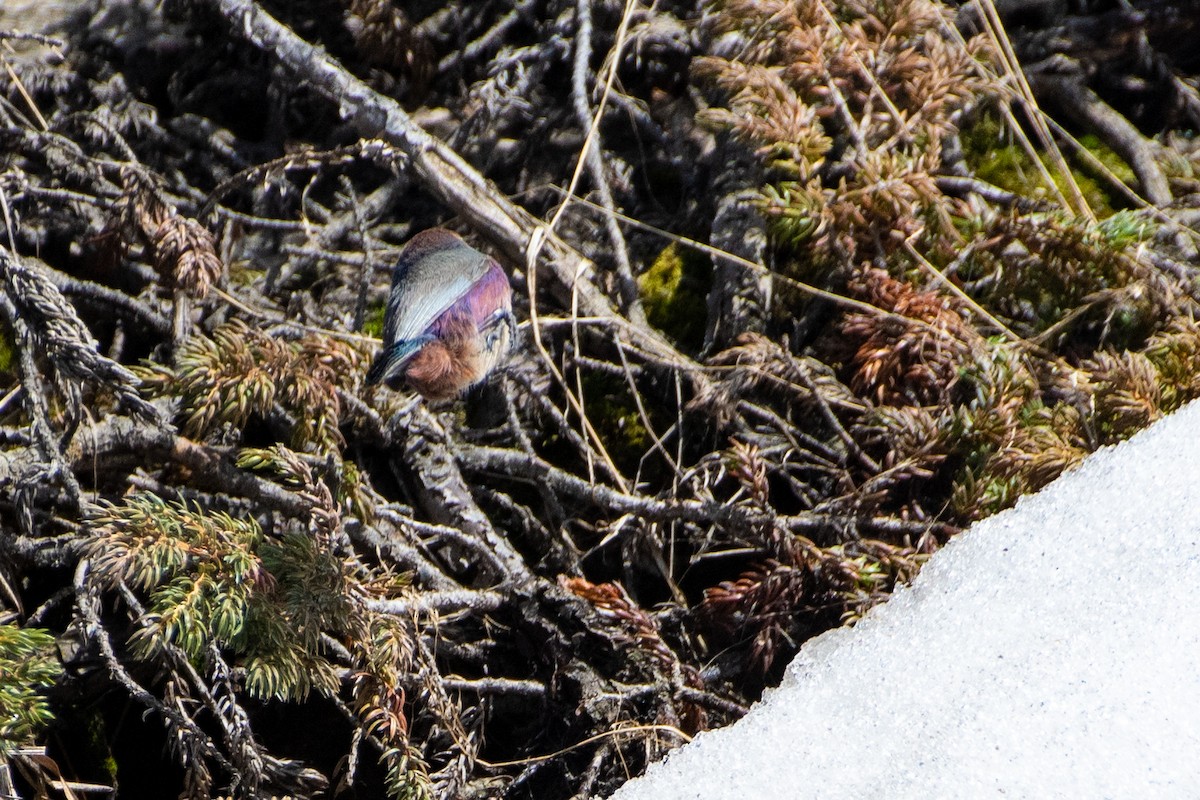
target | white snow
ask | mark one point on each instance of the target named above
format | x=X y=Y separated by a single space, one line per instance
x=1051 y=651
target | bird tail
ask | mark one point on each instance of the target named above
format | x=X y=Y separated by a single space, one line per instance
x=390 y=362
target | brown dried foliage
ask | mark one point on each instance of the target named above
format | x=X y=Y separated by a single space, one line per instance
x=914 y=357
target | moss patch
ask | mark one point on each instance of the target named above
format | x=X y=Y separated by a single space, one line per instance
x=675 y=293
x=8 y=354
x=614 y=414
x=373 y=321
x=997 y=158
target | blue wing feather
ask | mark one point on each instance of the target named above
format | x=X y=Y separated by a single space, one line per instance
x=391 y=361
x=434 y=271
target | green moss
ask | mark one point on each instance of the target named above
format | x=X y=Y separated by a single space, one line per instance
x=614 y=414
x=97 y=736
x=8 y=353
x=240 y=274
x=1108 y=157
x=675 y=293
x=373 y=321
x=997 y=158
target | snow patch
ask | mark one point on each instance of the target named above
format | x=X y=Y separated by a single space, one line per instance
x=1052 y=650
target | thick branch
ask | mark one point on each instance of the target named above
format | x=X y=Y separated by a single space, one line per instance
x=445 y=494
x=115 y=436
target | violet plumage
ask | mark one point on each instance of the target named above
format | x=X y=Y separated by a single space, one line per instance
x=449 y=320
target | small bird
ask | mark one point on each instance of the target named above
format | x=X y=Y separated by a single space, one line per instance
x=449 y=319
